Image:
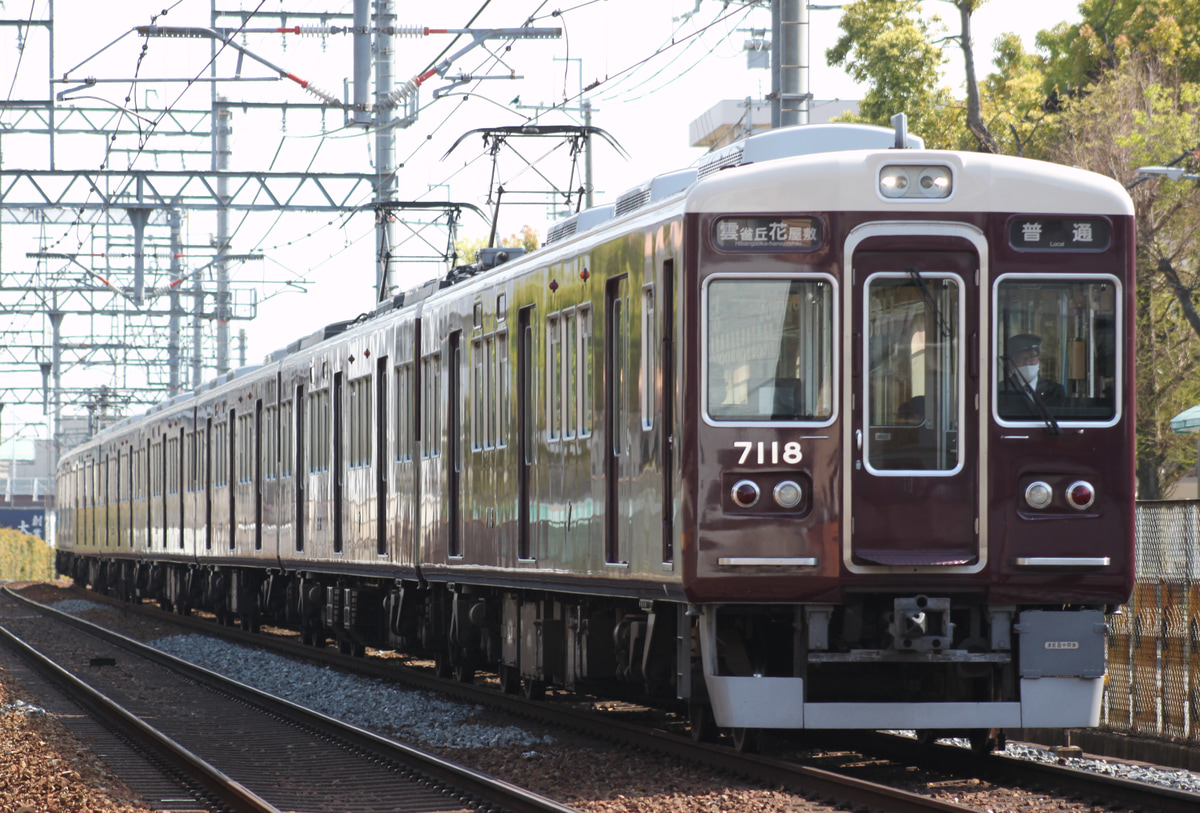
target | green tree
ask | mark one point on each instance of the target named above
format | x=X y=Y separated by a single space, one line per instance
x=1109 y=30
x=1141 y=112
x=888 y=46
x=467 y=247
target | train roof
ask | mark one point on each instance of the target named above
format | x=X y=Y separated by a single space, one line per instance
x=849 y=181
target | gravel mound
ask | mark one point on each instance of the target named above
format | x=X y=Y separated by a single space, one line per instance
x=79 y=605
x=364 y=702
x=1163 y=777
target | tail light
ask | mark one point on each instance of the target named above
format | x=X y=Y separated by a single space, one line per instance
x=745 y=493
x=1081 y=495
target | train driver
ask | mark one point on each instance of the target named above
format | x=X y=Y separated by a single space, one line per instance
x=1025 y=352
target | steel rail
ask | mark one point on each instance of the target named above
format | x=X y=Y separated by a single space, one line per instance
x=495 y=791
x=226 y=790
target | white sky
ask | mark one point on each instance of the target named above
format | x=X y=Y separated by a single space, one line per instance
x=647 y=108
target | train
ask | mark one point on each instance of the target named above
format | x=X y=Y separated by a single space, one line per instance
x=828 y=431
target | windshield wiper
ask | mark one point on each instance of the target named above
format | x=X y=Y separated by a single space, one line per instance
x=943 y=328
x=1035 y=401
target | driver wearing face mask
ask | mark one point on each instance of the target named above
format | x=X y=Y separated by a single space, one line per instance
x=1025 y=351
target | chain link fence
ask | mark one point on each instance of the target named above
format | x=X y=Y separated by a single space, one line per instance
x=1153 y=684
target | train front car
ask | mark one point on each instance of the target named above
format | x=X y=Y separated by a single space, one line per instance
x=907 y=471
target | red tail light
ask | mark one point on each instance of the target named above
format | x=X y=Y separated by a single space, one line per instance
x=1081 y=495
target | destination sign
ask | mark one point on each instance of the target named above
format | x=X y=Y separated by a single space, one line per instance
x=789 y=233
x=1059 y=234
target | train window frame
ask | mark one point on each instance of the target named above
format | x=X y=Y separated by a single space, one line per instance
x=649 y=360
x=360 y=394
x=404 y=410
x=586 y=362
x=431 y=405
x=504 y=388
x=553 y=369
x=834 y=351
x=870 y=436
x=1118 y=359
x=172 y=465
x=286 y=429
x=478 y=392
x=569 y=373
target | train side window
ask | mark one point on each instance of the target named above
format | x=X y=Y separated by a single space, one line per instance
x=553 y=377
x=156 y=464
x=173 y=465
x=504 y=389
x=319 y=431
x=585 y=363
x=286 y=440
x=490 y=392
x=404 y=395
x=244 y=448
x=478 y=394
x=270 y=447
x=649 y=373
x=431 y=413
x=359 y=412
x=1056 y=349
x=570 y=375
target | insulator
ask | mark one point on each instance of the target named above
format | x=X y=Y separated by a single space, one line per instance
x=400 y=95
x=406 y=31
x=313 y=30
x=324 y=96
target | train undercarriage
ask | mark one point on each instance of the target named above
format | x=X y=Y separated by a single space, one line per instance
x=874 y=662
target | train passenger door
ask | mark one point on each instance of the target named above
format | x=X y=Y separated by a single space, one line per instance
x=454 y=436
x=913 y=435
x=616 y=421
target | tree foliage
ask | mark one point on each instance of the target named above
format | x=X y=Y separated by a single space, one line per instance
x=467 y=248
x=24 y=557
x=887 y=45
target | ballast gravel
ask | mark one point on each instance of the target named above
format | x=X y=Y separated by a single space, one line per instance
x=364 y=702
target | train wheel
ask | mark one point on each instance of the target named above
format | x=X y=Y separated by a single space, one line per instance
x=746 y=740
x=534 y=689
x=464 y=674
x=927 y=736
x=986 y=740
x=701 y=723
x=510 y=680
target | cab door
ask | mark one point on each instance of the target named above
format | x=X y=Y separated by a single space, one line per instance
x=915 y=489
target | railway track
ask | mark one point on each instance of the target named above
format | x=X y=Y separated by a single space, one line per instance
x=877 y=753
x=242 y=749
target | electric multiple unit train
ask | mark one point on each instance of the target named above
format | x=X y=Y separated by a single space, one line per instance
x=831 y=432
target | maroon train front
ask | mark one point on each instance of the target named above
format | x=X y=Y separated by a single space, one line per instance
x=825 y=434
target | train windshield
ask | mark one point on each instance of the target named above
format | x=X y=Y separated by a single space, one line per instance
x=770 y=349
x=1056 y=350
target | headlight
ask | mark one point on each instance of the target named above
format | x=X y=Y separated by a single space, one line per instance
x=893 y=182
x=916 y=182
x=934 y=182
x=1038 y=495
x=788 y=494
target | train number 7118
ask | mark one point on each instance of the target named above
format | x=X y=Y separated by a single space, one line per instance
x=791 y=452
